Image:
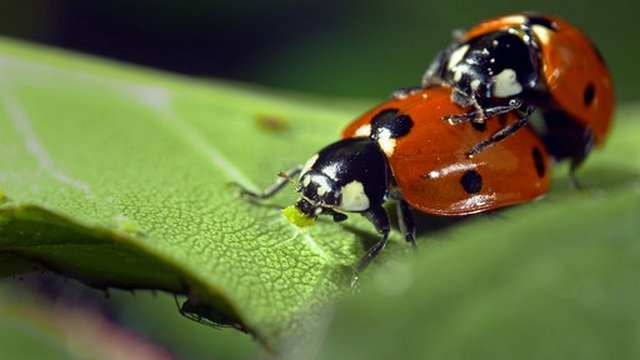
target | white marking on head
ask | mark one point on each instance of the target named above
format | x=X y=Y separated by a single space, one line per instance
x=506 y=84
x=306 y=180
x=386 y=142
x=364 y=130
x=353 y=197
x=456 y=56
x=475 y=84
x=457 y=74
x=309 y=164
x=542 y=33
x=322 y=182
x=322 y=189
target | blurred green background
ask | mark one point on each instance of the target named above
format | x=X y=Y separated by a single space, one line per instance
x=327 y=47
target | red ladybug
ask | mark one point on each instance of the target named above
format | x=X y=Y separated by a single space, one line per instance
x=527 y=61
x=402 y=150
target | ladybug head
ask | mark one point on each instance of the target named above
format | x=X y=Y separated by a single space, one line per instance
x=350 y=175
x=500 y=64
x=317 y=192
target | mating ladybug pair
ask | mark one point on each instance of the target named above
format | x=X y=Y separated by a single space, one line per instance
x=486 y=84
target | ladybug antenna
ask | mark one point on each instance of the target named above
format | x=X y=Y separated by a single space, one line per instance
x=290 y=180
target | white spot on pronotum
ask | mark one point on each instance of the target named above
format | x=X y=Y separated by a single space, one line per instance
x=542 y=33
x=386 y=142
x=309 y=164
x=506 y=84
x=353 y=197
x=514 y=19
x=456 y=56
x=364 y=130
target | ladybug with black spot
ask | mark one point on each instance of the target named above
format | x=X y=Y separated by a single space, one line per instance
x=526 y=61
x=401 y=150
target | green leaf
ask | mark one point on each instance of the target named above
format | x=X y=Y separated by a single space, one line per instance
x=117 y=176
x=554 y=279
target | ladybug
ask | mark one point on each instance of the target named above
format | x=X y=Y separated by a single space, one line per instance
x=402 y=150
x=526 y=61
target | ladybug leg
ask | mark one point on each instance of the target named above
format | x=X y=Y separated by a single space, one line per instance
x=502 y=134
x=577 y=159
x=282 y=180
x=406 y=223
x=379 y=218
x=337 y=216
x=480 y=114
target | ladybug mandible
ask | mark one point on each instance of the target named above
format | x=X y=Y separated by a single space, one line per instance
x=402 y=150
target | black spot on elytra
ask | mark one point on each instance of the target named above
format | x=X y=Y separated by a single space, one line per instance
x=538 y=161
x=383 y=116
x=471 y=182
x=589 y=94
x=537 y=19
x=397 y=125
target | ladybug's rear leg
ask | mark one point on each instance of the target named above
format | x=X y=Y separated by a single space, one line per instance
x=502 y=134
x=578 y=157
x=565 y=138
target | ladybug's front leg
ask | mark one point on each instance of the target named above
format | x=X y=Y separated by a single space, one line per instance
x=480 y=114
x=380 y=219
x=282 y=180
x=503 y=133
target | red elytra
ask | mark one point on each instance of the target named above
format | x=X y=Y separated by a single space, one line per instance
x=429 y=163
x=575 y=73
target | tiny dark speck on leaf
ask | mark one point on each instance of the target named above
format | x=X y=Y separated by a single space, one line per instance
x=271 y=123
